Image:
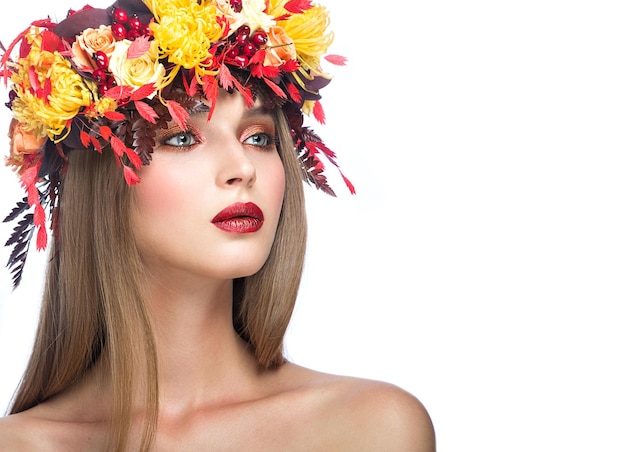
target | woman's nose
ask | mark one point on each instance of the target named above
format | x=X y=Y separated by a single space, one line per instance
x=236 y=168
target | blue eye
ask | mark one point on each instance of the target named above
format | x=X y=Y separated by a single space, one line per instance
x=181 y=140
x=262 y=140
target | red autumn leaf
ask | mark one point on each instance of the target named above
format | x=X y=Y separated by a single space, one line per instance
x=118 y=146
x=337 y=60
x=270 y=71
x=114 y=115
x=298 y=6
x=133 y=158
x=318 y=112
x=279 y=92
x=210 y=89
x=258 y=57
x=138 y=48
x=42 y=238
x=245 y=92
x=289 y=66
x=96 y=144
x=50 y=42
x=119 y=92
x=85 y=139
x=146 y=111
x=130 y=176
x=105 y=132
x=294 y=93
x=142 y=92
x=225 y=77
x=178 y=113
x=348 y=184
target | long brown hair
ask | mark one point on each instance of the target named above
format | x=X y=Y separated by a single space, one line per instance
x=93 y=306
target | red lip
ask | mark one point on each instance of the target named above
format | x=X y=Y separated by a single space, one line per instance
x=239 y=218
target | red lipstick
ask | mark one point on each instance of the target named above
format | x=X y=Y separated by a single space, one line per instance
x=239 y=218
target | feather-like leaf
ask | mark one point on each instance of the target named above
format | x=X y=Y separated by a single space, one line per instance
x=114 y=115
x=178 y=113
x=130 y=176
x=225 y=77
x=138 y=48
x=146 y=111
x=337 y=60
x=142 y=92
x=318 y=112
x=118 y=146
x=298 y=6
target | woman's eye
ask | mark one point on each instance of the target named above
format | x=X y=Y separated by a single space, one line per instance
x=263 y=140
x=180 y=140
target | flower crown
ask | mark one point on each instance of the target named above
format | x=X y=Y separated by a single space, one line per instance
x=109 y=78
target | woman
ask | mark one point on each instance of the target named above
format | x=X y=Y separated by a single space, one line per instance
x=178 y=245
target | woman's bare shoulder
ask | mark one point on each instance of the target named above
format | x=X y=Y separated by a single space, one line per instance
x=368 y=414
x=36 y=430
x=19 y=432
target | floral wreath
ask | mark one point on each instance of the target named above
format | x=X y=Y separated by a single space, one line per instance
x=109 y=78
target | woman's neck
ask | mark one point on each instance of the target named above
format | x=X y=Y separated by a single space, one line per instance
x=199 y=352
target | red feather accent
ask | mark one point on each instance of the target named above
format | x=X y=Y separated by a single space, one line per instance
x=85 y=139
x=118 y=146
x=142 y=92
x=178 y=113
x=42 y=238
x=50 y=42
x=146 y=111
x=289 y=66
x=294 y=93
x=133 y=158
x=277 y=90
x=337 y=60
x=120 y=93
x=138 y=48
x=105 y=132
x=130 y=176
x=298 y=6
x=348 y=183
x=318 y=112
x=114 y=115
x=96 y=144
x=225 y=77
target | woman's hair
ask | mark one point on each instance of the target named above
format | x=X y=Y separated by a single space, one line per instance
x=93 y=306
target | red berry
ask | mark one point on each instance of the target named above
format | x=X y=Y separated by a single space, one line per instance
x=259 y=38
x=120 y=15
x=241 y=61
x=101 y=59
x=135 y=24
x=232 y=53
x=248 y=49
x=119 y=32
x=132 y=34
x=236 y=5
x=99 y=76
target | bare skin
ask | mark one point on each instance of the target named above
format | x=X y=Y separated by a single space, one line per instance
x=224 y=402
x=212 y=394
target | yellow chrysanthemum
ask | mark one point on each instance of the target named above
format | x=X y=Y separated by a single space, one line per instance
x=49 y=91
x=185 y=31
x=310 y=35
x=102 y=106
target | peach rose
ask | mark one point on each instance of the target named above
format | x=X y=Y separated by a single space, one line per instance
x=90 y=41
x=23 y=143
x=279 y=48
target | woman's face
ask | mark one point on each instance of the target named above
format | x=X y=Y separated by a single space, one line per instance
x=209 y=202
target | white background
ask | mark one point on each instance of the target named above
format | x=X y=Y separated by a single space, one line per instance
x=482 y=264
